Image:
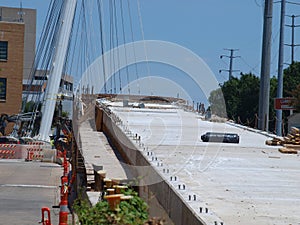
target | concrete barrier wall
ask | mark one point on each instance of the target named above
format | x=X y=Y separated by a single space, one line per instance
x=176 y=208
x=98 y=118
x=119 y=139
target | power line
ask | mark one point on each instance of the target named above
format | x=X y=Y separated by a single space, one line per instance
x=259 y=5
x=252 y=68
x=231 y=57
x=293 y=45
x=293 y=3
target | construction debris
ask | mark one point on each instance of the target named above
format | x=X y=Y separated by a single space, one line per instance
x=287 y=150
x=290 y=143
x=274 y=142
x=296 y=147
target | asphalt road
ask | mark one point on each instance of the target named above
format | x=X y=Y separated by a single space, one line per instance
x=26 y=187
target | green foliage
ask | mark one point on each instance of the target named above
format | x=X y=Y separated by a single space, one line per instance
x=231 y=95
x=88 y=215
x=273 y=95
x=291 y=83
x=129 y=212
x=291 y=78
x=65 y=114
x=217 y=104
x=248 y=97
x=30 y=106
x=240 y=96
x=296 y=95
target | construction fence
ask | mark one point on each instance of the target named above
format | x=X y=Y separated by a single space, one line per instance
x=35 y=151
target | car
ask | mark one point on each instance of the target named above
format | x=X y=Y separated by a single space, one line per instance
x=9 y=140
x=25 y=140
x=220 y=137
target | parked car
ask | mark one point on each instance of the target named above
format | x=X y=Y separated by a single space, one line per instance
x=9 y=140
x=26 y=140
x=220 y=137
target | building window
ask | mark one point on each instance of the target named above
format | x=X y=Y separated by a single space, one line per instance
x=2 y=89
x=3 y=50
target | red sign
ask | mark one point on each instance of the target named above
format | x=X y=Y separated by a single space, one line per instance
x=283 y=104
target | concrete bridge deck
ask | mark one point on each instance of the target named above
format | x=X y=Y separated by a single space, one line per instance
x=246 y=183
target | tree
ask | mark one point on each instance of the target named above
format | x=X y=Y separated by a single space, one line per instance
x=248 y=98
x=230 y=90
x=240 y=96
x=217 y=103
x=291 y=78
x=296 y=95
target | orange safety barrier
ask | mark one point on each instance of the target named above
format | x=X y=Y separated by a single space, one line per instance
x=36 y=143
x=46 y=221
x=34 y=154
x=7 y=154
x=8 y=145
x=29 y=155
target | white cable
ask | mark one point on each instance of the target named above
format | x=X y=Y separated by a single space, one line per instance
x=133 y=45
x=145 y=49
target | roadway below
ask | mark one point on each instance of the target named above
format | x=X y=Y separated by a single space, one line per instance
x=26 y=187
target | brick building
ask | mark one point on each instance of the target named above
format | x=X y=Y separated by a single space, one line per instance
x=11 y=67
x=17 y=51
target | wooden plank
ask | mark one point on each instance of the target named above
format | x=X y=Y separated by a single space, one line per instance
x=295 y=130
x=296 y=147
x=278 y=139
x=286 y=139
x=269 y=142
x=287 y=150
x=290 y=136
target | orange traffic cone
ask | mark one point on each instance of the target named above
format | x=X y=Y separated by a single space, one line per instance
x=46 y=221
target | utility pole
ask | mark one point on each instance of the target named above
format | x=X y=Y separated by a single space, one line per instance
x=231 y=57
x=280 y=68
x=264 y=91
x=292 y=45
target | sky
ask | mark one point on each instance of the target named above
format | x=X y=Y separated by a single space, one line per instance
x=208 y=28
